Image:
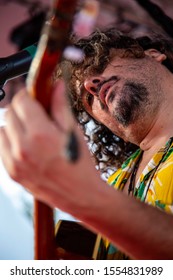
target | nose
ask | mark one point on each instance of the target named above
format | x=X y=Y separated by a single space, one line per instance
x=92 y=85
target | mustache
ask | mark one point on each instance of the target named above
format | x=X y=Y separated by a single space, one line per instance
x=99 y=86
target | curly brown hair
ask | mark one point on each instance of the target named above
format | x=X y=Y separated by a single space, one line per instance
x=107 y=149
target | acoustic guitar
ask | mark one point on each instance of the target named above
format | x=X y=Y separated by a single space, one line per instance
x=75 y=242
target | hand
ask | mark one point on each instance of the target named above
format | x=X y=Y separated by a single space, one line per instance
x=33 y=149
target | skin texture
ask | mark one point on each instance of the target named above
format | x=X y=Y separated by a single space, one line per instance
x=28 y=141
x=131 y=85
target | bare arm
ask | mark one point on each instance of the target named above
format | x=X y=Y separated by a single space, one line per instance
x=32 y=147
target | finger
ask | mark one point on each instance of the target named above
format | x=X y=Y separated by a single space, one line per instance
x=30 y=112
x=13 y=127
x=5 y=149
x=14 y=165
x=4 y=141
x=41 y=133
x=60 y=108
x=62 y=114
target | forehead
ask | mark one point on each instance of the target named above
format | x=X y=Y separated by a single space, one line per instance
x=118 y=59
x=120 y=63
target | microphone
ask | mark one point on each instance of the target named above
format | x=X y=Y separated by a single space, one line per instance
x=17 y=64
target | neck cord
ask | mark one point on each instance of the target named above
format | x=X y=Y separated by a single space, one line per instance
x=133 y=175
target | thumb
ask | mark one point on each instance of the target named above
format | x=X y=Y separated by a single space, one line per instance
x=64 y=119
x=60 y=108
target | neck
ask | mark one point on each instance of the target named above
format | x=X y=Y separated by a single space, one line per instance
x=160 y=131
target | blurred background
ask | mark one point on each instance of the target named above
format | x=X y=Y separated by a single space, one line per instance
x=20 y=26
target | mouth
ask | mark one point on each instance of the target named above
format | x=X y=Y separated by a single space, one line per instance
x=106 y=93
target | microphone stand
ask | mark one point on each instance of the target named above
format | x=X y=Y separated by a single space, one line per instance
x=2 y=92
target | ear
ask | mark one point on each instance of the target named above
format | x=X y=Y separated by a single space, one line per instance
x=158 y=56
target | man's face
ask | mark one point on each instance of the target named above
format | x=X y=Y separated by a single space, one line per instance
x=120 y=96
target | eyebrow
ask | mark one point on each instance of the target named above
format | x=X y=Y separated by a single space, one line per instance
x=132 y=66
x=115 y=65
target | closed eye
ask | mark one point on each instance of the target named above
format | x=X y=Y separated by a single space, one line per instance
x=89 y=98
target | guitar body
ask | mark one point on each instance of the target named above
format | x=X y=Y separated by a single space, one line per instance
x=74 y=241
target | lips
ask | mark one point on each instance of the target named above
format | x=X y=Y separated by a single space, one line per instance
x=105 y=92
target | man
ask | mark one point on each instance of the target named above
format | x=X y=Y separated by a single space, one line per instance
x=126 y=85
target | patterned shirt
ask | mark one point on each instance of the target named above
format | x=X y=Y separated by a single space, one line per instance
x=155 y=185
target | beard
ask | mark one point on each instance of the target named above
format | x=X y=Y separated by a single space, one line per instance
x=134 y=98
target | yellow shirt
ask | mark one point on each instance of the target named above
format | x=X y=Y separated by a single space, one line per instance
x=155 y=185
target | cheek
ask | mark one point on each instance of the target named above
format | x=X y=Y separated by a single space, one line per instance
x=102 y=116
x=106 y=118
x=97 y=112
